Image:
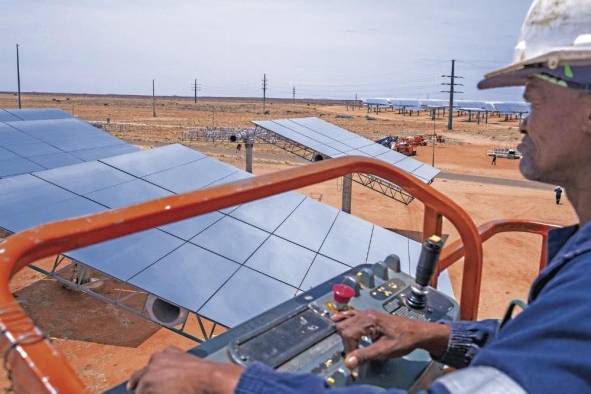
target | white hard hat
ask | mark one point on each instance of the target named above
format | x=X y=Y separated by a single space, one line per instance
x=555 y=40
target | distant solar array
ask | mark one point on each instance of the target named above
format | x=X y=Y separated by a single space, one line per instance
x=501 y=107
x=327 y=140
x=226 y=266
x=37 y=139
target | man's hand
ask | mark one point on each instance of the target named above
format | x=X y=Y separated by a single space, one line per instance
x=174 y=371
x=392 y=336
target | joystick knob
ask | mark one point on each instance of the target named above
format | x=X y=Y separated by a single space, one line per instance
x=342 y=294
x=427 y=262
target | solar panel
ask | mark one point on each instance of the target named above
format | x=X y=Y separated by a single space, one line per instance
x=247 y=294
x=334 y=141
x=126 y=256
x=227 y=265
x=348 y=240
x=282 y=260
x=50 y=138
x=37 y=113
x=187 y=277
x=6 y=116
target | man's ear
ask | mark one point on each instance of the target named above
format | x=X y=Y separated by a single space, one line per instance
x=587 y=109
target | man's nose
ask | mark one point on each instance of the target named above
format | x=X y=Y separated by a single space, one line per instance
x=523 y=125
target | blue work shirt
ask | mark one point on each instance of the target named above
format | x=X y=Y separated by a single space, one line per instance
x=545 y=349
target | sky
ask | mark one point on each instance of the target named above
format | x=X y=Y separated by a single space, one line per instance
x=325 y=48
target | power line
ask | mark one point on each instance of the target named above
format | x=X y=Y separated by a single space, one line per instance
x=452 y=84
x=153 y=99
x=264 y=91
x=18 y=78
x=196 y=88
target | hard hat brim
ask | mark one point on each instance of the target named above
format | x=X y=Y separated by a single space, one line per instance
x=508 y=76
x=516 y=74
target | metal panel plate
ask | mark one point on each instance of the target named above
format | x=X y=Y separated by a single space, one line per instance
x=188 y=276
x=126 y=256
x=375 y=149
x=128 y=193
x=322 y=269
x=309 y=224
x=103 y=152
x=10 y=136
x=408 y=165
x=348 y=240
x=297 y=137
x=73 y=207
x=38 y=113
x=54 y=160
x=426 y=172
x=384 y=243
x=247 y=294
x=231 y=238
x=191 y=176
x=85 y=177
x=5 y=154
x=392 y=157
x=17 y=166
x=325 y=128
x=6 y=116
x=268 y=213
x=26 y=192
x=34 y=149
x=154 y=160
x=188 y=228
x=282 y=260
x=327 y=140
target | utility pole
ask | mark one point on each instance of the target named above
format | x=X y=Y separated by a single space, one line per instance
x=153 y=99
x=18 y=78
x=293 y=95
x=264 y=91
x=452 y=84
x=355 y=102
x=196 y=88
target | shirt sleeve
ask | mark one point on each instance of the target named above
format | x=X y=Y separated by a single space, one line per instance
x=260 y=379
x=466 y=340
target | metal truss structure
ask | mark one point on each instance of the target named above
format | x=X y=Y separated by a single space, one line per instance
x=382 y=186
x=221 y=134
x=75 y=275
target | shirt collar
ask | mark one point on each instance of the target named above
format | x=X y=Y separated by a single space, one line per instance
x=570 y=240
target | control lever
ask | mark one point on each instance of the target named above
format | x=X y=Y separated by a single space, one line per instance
x=427 y=262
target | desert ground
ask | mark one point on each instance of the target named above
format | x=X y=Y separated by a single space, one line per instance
x=105 y=344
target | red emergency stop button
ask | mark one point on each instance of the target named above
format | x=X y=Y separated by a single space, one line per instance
x=342 y=294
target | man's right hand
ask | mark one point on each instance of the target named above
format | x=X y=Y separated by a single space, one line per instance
x=392 y=336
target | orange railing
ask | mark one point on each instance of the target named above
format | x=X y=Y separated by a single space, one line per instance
x=455 y=251
x=36 y=366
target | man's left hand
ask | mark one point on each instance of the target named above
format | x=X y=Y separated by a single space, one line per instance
x=174 y=371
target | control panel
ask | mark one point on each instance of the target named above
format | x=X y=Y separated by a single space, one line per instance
x=299 y=335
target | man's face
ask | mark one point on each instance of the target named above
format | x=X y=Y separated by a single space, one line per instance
x=556 y=138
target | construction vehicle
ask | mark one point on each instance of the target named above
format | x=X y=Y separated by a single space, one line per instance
x=404 y=147
x=34 y=364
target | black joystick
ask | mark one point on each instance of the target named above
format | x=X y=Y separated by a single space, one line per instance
x=427 y=262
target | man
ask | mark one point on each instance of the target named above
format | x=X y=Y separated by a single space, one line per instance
x=547 y=347
x=494 y=160
x=558 y=192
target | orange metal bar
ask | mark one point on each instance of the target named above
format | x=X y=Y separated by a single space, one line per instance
x=44 y=369
x=455 y=251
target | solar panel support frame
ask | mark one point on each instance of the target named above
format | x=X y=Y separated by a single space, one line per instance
x=54 y=273
x=383 y=187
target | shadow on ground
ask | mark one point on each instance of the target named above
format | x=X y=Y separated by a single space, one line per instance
x=69 y=314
